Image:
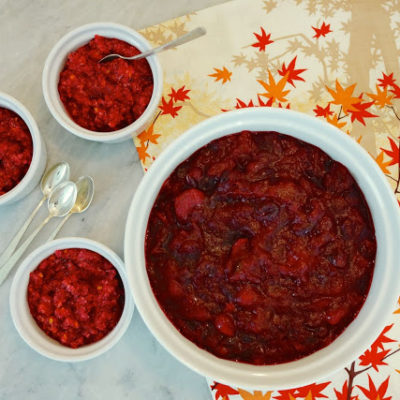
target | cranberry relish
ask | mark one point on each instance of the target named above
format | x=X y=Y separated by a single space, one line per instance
x=16 y=149
x=260 y=248
x=108 y=96
x=76 y=296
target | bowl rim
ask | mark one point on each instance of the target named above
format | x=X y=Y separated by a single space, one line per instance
x=11 y=103
x=56 y=60
x=26 y=325
x=364 y=328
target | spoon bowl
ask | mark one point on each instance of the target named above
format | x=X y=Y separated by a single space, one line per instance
x=51 y=178
x=85 y=193
x=62 y=199
x=60 y=203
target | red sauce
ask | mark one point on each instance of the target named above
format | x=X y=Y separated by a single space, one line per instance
x=16 y=149
x=75 y=296
x=108 y=96
x=260 y=248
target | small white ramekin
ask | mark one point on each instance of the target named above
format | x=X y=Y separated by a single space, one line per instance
x=385 y=285
x=26 y=325
x=56 y=61
x=39 y=156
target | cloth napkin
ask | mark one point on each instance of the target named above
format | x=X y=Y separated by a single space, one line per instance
x=336 y=60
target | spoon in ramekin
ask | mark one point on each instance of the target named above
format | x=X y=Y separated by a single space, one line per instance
x=84 y=197
x=194 y=34
x=60 y=203
x=51 y=178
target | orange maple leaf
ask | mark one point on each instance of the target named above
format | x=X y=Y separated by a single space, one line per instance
x=142 y=152
x=381 y=98
x=256 y=395
x=274 y=90
x=335 y=121
x=149 y=135
x=398 y=310
x=343 y=97
x=382 y=164
x=221 y=74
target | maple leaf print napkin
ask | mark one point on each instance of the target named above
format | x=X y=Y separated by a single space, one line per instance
x=332 y=59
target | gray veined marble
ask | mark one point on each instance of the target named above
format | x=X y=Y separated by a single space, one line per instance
x=137 y=367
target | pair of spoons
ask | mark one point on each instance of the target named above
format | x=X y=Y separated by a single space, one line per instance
x=64 y=198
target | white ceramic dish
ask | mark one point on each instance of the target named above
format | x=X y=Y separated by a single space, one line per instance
x=385 y=286
x=26 y=325
x=39 y=156
x=56 y=60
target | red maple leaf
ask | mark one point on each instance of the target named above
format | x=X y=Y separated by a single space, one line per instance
x=263 y=40
x=387 y=80
x=281 y=106
x=180 y=94
x=323 y=112
x=266 y=104
x=314 y=388
x=286 y=394
x=360 y=111
x=223 y=391
x=372 y=393
x=395 y=156
x=344 y=393
x=396 y=91
x=242 y=104
x=373 y=357
x=168 y=107
x=324 y=30
x=292 y=73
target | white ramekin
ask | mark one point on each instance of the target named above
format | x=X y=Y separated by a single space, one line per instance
x=56 y=61
x=385 y=285
x=39 y=156
x=26 y=325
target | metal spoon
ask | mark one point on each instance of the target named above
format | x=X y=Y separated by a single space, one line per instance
x=85 y=187
x=194 y=34
x=60 y=203
x=51 y=178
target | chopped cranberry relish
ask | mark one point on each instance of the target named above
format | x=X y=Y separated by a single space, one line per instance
x=75 y=296
x=16 y=149
x=108 y=96
x=260 y=248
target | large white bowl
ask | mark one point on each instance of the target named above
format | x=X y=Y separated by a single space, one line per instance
x=385 y=285
x=39 y=156
x=56 y=60
x=26 y=325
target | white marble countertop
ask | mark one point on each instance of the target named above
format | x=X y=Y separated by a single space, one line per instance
x=137 y=367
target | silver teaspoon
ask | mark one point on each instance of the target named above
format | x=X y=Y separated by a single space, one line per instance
x=60 y=203
x=85 y=187
x=194 y=34
x=51 y=178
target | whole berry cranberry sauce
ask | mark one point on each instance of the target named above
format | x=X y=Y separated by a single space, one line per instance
x=260 y=248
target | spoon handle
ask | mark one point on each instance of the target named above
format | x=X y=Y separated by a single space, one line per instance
x=14 y=242
x=59 y=226
x=187 y=37
x=8 y=266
